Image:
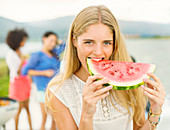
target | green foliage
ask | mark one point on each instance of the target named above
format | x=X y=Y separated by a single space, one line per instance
x=4 y=78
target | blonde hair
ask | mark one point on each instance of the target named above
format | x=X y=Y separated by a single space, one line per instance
x=92 y=15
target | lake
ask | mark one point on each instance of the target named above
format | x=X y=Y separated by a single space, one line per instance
x=156 y=51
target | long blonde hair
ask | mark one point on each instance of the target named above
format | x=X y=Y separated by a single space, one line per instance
x=92 y=15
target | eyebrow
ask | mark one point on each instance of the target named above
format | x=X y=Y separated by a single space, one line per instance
x=94 y=40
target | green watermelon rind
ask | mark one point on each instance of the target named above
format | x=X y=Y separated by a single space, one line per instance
x=119 y=87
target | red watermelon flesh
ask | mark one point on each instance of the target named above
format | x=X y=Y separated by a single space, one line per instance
x=121 y=74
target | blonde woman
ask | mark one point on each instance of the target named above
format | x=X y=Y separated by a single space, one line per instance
x=77 y=101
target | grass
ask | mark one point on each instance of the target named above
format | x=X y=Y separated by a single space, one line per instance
x=4 y=78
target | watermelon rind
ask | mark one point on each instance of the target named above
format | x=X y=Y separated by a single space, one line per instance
x=121 y=85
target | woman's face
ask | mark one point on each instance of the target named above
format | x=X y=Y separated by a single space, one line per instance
x=50 y=42
x=96 y=42
x=23 y=42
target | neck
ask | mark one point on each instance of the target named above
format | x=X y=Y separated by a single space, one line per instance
x=45 y=50
x=18 y=52
x=82 y=74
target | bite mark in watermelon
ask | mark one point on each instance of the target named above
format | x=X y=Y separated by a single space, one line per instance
x=122 y=75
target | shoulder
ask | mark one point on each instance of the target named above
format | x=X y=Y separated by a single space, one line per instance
x=12 y=55
x=66 y=93
x=37 y=54
x=66 y=86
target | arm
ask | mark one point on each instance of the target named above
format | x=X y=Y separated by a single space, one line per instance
x=92 y=93
x=47 y=73
x=30 y=67
x=61 y=114
x=64 y=119
x=156 y=95
x=20 y=67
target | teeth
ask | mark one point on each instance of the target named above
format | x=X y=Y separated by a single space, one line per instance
x=96 y=58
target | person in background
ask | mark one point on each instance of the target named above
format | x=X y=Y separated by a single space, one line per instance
x=16 y=39
x=42 y=66
x=78 y=101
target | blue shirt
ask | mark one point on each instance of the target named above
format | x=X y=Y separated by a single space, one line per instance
x=41 y=61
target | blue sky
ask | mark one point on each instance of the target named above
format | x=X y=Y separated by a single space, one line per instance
x=133 y=10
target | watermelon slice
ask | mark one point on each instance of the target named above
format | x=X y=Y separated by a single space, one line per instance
x=122 y=75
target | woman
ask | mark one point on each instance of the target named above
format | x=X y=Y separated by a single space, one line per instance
x=15 y=60
x=77 y=100
x=42 y=66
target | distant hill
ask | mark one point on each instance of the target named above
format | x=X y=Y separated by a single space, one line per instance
x=61 y=26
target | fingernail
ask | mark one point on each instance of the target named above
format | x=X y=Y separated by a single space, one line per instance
x=142 y=86
x=146 y=92
x=107 y=93
x=110 y=87
x=145 y=80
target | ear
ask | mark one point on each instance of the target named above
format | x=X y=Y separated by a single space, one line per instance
x=74 y=41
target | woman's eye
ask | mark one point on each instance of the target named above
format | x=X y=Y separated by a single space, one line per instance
x=88 y=42
x=107 y=43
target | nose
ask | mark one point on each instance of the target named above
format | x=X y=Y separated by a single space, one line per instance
x=98 y=50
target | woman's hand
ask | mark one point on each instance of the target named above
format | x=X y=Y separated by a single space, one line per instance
x=155 y=92
x=92 y=93
x=48 y=73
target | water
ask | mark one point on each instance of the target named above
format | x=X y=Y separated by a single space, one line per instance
x=156 y=51
x=27 y=49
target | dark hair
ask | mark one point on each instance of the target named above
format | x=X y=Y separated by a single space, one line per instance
x=47 y=34
x=15 y=37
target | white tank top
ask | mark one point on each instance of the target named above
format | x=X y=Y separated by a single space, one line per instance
x=106 y=116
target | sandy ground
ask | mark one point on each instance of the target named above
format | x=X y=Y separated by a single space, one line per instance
x=36 y=116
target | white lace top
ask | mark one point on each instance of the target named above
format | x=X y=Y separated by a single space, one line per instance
x=106 y=116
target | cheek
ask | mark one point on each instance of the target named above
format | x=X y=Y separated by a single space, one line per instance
x=108 y=51
x=83 y=52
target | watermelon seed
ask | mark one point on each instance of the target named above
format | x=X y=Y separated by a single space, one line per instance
x=131 y=67
x=115 y=70
x=112 y=65
x=111 y=72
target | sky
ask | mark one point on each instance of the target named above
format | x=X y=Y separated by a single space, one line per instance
x=157 y=11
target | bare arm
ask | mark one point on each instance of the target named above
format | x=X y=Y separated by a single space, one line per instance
x=62 y=115
x=47 y=73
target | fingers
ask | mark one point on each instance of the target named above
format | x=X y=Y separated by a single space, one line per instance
x=91 y=79
x=97 y=98
x=150 y=91
x=154 y=98
x=102 y=91
x=93 y=89
x=98 y=84
x=152 y=83
x=156 y=78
